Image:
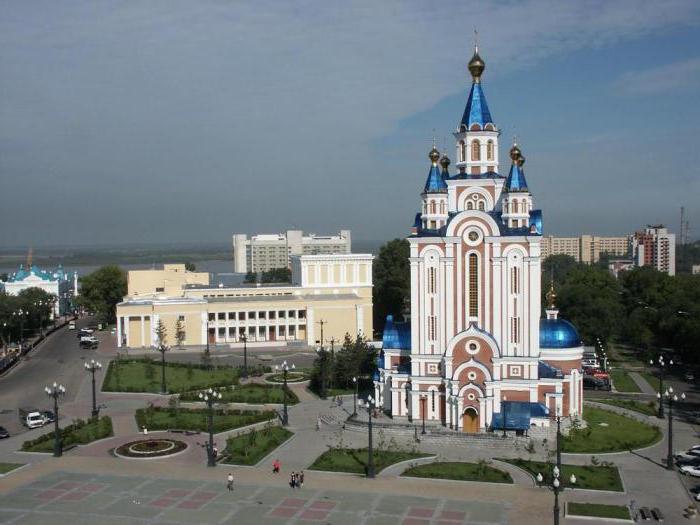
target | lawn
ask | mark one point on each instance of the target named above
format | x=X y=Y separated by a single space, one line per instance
x=252 y=393
x=597 y=510
x=651 y=379
x=622 y=381
x=355 y=459
x=79 y=433
x=460 y=472
x=156 y=418
x=587 y=476
x=9 y=467
x=143 y=375
x=648 y=409
x=609 y=432
x=250 y=448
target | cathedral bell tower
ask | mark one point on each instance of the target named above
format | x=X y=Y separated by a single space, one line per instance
x=517 y=199
x=434 y=210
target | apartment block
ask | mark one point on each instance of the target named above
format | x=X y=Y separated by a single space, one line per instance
x=656 y=247
x=585 y=248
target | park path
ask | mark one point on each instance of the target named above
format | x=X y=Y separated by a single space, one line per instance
x=645 y=387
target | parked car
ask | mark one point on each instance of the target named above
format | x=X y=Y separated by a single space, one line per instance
x=689 y=376
x=4 y=433
x=645 y=513
x=71 y=325
x=688 y=454
x=89 y=341
x=595 y=383
x=31 y=417
x=84 y=331
x=49 y=417
x=690 y=470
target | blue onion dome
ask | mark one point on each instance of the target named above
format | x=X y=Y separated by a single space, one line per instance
x=396 y=335
x=558 y=333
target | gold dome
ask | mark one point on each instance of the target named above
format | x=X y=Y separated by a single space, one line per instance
x=434 y=155
x=476 y=66
x=445 y=162
x=515 y=153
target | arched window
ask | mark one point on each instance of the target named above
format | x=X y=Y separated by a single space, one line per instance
x=470 y=205
x=442 y=208
x=515 y=206
x=505 y=207
x=476 y=150
x=432 y=207
x=489 y=150
x=524 y=204
x=431 y=280
x=462 y=151
x=473 y=285
x=481 y=205
x=514 y=281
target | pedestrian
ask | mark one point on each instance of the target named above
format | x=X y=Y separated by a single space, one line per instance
x=229 y=482
x=276 y=466
x=291 y=480
x=318 y=423
x=301 y=479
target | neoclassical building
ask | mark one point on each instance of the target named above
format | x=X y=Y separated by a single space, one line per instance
x=476 y=350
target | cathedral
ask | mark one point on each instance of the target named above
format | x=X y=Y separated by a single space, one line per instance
x=476 y=354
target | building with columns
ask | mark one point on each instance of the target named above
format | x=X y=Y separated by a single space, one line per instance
x=329 y=294
x=475 y=354
x=62 y=285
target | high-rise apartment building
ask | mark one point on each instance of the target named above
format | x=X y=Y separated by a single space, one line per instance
x=264 y=252
x=656 y=247
x=585 y=248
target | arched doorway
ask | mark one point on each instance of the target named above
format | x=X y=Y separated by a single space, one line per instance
x=470 y=420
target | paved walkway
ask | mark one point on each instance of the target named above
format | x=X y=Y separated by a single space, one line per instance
x=645 y=387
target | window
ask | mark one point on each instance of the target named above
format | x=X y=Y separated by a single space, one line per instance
x=489 y=150
x=442 y=208
x=505 y=207
x=241 y=316
x=432 y=327
x=222 y=332
x=476 y=150
x=211 y=317
x=432 y=401
x=181 y=318
x=302 y=314
x=473 y=285
x=470 y=205
x=432 y=207
x=515 y=280
x=431 y=280
x=481 y=205
x=160 y=289
x=273 y=314
x=514 y=329
x=515 y=206
x=462 y=151
x=282 y=314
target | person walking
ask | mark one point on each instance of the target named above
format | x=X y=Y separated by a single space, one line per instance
x=229 y=481
x=276 y=466
x=301 y=479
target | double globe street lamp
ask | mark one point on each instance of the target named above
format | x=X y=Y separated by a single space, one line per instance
x=210 y=397
x=93 y=366
x=671 y=398
x=56 y=391
x=555 y=487
x=370 y=405
x=285 y=370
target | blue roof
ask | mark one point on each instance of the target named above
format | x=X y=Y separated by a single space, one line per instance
x=516 y=179
x=45 y=275
x=558 y=333
x=536 y=220
x=547 y=371
x=484 y=175
x=396 y=335
x=477 y=110
x=445 y=175
x=435 y=182
x=518 y=414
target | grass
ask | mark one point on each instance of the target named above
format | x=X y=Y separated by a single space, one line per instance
x=252 y=393
x=292 y=377
x=609 y=432
x=597 y=510
x=250 y=448
x=651 y=379
x=79 y=433
x=143 y=375
x=623 y=382
x=157 y=418
x=648 y=409
x=603 y=477
x=9 y=467
x=354 y=460
x=460 y=471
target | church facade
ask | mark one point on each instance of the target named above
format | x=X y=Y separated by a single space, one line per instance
x=476 y=354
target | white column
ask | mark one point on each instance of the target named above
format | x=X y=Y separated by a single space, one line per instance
x=155 y=319
x=143 y=329
x=416 y=329
x=360 y=318
x=204 y=316
x=310 y=325
x=126 y=330
x=120 y=320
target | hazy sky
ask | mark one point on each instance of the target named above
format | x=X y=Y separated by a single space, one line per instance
x=179 y=121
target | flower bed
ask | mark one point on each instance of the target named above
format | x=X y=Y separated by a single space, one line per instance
x=150 y=448
x=157 y=418
x=79 y=433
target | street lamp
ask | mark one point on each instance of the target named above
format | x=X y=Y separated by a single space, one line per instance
x=354 y=397
x=407 y=387
x=453 y=402
x=424 y=402
x=671 y=398
x=371 y=403
x=93 y=366
x=505 y=407
x=55 y=391
x=322 y=356
x=244 y=374
x=285 y=370
x=662 y=371
x=210 y=396
x=20 y=315
x=558 y=418
x=555 y=487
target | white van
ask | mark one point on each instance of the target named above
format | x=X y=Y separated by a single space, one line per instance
x=71 y=325
x=31 y=417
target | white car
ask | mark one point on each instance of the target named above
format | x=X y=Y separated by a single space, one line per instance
x=693 y=453
x=689 y=470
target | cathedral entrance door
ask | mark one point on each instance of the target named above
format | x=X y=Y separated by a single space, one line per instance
x=470 y=421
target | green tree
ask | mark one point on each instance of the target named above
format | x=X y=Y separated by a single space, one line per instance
x=392 y=282
x=250 y=278
x=101 y=290
x=161 y=336
x=558 y=266
x=276 y=275
x=190 y=266
x=180 y=332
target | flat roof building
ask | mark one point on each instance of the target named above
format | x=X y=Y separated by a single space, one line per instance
x=586 y=248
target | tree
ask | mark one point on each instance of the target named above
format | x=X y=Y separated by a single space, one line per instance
x=161 y=336
x=250 y=278
x=190 y=266
x=101 y=290
x=559 y=267
x=392 y=282
x=180 y=332
x=356 y=358
x=277 y=275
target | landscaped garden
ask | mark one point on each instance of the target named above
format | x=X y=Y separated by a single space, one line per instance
x=9 y=467
x=648 y=408
x=144 y=375
x=251 y=447
x=292 y=377
x=600 y=477
x=173 y=418
x=480 y=471
x=354 y=460
x=597 y=510
x=150 y=448
x=622 y=381
x=609 y=432
x=78 y=433
x=252 y=393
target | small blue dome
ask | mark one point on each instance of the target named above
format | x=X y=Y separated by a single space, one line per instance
x=396 y=335
x=558 y=333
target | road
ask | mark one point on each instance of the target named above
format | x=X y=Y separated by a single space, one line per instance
x=59 y=358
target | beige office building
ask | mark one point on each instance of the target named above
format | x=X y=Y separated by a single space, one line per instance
x=264 y=252
x=329 y=292
x=585 y=248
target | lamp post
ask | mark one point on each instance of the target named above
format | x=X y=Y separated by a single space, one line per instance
x=354 y=397
x=555 y=487
x=162 y=348
x=322 y=356
x=452 y=402
x=662 y=371
x=424 y=402
x=244 y=374
x=558 y=418
x=671 y=398
x=93 y=366
x=407 y=387
x=210 y=396
x=505 y=408
x=285 y=370
x=20 y=315
x=370 y=454
x=56 y=391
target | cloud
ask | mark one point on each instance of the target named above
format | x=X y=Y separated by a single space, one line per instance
x=662 y=79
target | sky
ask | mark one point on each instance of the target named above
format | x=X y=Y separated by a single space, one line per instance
x=177 y=121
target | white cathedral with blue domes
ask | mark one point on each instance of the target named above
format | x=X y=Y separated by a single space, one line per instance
x=475 y=355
